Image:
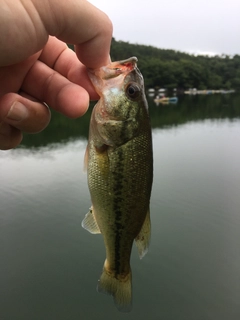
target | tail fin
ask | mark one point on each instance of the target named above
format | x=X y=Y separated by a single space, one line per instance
x=120 y=289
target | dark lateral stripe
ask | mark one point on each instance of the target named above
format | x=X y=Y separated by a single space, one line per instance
x=118 y=194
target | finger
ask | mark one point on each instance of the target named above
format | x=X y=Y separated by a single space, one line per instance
x=80 y=23
x=11 y=77
x=59 y=57
x=73 y=21
x=10 y=137
x=23 y=113
x=59 y=93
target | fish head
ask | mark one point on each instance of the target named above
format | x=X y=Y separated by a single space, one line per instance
x=118 y=115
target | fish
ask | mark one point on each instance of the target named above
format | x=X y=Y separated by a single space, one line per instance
x=119 y=164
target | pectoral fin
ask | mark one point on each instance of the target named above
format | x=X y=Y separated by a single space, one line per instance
x=143 y=238
x=89 y=222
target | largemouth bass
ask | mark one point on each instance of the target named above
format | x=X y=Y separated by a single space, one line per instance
x=119 y=163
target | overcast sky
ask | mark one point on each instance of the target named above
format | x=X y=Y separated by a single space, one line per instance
x=196 y=26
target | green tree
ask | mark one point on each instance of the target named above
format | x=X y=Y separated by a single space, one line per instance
x=170 y=69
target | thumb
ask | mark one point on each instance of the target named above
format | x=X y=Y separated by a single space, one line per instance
x=20 y=113
x=10 y=137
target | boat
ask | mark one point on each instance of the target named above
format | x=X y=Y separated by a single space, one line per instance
x=166 y=100
x=173 y=99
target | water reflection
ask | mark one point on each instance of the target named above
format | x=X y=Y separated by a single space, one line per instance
x=61 y=130
x=188 y=108
x=195 y=108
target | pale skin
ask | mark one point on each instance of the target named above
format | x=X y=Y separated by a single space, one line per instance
x=36 y=66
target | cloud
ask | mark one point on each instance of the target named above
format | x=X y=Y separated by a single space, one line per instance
x=200 y=25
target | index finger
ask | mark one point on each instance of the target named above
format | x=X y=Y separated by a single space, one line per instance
x=80 y=23
x=74 y=21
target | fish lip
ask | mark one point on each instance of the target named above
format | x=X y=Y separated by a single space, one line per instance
x=133 y=60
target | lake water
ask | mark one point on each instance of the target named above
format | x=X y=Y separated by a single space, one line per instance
x=49 y=265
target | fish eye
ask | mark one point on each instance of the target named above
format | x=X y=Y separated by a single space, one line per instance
x=132 y=91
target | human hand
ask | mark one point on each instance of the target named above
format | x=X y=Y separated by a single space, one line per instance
x=37 y=67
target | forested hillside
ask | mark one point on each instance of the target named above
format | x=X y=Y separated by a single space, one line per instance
x=174 y=69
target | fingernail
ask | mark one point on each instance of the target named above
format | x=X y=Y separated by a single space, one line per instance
x=17 y=112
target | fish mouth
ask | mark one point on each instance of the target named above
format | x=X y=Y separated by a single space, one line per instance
x=114 y=69
x=124 y=66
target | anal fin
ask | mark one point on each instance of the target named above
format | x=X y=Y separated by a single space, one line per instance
x=89 y=222
x=143 y=238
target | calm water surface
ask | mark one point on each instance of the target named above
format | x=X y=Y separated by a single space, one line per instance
x=49 y=265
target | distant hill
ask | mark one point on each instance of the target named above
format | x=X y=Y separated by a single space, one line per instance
x=174 y=69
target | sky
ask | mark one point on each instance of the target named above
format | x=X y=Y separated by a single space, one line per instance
x=193 y=26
